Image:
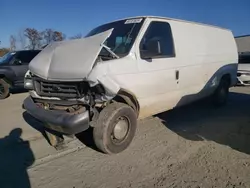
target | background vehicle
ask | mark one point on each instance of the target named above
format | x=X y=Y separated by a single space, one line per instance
x=13 y=67
x=243 y=73
x=127 y=70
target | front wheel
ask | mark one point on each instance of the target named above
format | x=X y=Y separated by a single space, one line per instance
x=4 y=89
x=221 y=94
x=115 y=128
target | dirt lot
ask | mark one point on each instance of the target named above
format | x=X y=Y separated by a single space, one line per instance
x=195 y=146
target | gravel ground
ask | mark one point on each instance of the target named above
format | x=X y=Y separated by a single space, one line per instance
x=194 y=146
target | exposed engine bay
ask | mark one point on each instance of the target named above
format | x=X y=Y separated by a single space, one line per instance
x=72 y=97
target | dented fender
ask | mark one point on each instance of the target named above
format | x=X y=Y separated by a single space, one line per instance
x=100 y=74
x=109 y=84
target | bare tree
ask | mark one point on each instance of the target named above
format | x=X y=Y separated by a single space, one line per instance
x=34 y=37
x=77 y=36
x=58 y=36
x=3 y=51
x=47 y=36
x=31 y=38
x=21 y=39
x=12 y=43
x=50 y=35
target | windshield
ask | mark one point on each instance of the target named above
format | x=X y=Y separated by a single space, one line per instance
x=123 y=35
x=7 y=57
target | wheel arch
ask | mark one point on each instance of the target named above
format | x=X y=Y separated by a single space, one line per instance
x=2 y=76
x=128 y=98
x=227 y=77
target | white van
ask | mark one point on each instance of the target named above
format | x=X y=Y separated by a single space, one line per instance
x=126 y=70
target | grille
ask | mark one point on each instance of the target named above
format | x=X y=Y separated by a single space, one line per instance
x=59 y=89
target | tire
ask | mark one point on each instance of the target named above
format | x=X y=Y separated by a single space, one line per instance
x=4 y=89
x=110 y=136
x=221 y=93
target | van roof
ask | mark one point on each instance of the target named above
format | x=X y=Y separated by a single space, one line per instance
x=168 y=18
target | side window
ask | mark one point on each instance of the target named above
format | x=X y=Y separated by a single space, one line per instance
x=26 y=56
x=157 y=41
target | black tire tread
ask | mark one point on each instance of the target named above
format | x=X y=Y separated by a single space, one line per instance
x=6 y=88
x=223 y=83
x=103 y=122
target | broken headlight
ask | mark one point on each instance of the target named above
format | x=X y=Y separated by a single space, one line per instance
x=28 y=83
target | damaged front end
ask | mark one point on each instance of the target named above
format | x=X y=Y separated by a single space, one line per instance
x=65 y=107
x=67 y=98
x=74 y=85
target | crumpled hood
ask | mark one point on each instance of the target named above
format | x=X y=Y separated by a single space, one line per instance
x=68 y=60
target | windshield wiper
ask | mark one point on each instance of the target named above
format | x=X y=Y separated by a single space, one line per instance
x=110 y=51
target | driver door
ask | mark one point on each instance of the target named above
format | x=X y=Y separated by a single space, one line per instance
x=158 y=67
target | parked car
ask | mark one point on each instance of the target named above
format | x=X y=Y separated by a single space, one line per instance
x=13 y=67
x=243 y=74
x=126 y=70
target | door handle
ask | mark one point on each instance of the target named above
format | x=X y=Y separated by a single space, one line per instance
x=177 y=74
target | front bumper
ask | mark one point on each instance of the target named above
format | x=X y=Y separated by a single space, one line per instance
x=56 y=120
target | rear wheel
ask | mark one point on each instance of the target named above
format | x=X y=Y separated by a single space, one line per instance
x=115 y=128
x=220 y=95
x=4 y=89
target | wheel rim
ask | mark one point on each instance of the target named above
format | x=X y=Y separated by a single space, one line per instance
x=121 y=129
x=1 y=89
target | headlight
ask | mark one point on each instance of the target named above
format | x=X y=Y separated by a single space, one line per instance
x=28 y=83
x=27 y=74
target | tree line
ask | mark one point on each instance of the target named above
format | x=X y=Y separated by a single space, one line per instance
x=31 y=38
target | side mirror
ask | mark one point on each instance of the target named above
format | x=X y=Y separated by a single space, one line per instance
x=17 y=62
x=151 y=49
